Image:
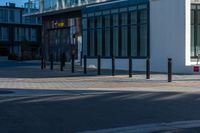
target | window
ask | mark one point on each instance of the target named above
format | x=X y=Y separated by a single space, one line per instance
x=115 y=20
x=115 y=34
x=116 y=41
x=143 y=33
x=116 y=31
x=85 y=43
x=134 y=39
x=4 y=34
x=1 y=15
x=124 y=41
x=107 y=35
x=124 y=34
x=12 y=16
x=92 y=42
x=195 y=31
x=143 y=40
x=33 y=35
x=192 y=35
x=107 y=42
x=99 y=42
x=99 y=32
x=124 y=18
x=99 y=22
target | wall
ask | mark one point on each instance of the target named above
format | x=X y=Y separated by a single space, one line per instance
x=170 y=34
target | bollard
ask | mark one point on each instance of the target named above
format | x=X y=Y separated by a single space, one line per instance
x=51 y=60
x=42 y=62
x=113 y=65
x=61 y=62
x=85 y=64
x=73 y=59
x=81 y=60
x=169 y=70
x=148 y=68
x=64 y=59
x=99 y=65
x=130 y=67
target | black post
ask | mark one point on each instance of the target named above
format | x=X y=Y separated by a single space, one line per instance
x=64 y=59
x=61 y=62
x=81 y=62
x=99 y=65
x=113 y=65
x=85 y=64
x=130 y=67
x=51 y=60
x=73 y=59
x=42 y=62
x=148 y=68
x=169 y=70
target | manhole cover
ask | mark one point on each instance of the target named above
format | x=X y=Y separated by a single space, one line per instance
x=6 y=92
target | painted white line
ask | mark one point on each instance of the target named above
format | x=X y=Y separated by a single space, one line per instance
x=148 y=128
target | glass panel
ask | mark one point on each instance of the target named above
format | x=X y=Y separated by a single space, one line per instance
x=92 y=50
x=114 y=11
x=123 y=9
x=132 y=8
x=133 y=17
x=124 y=41
x=133 y=40
x=4 y=33
x=198 y=17
x=99 y=42
x=85 y=43
x=198 y=40
x=192 y=17
x=33 y=35
x=99 y=22
x=84 y=23
x=107 y=21
x=143 y=40
x=124 y=18
x=91 y=23
x=144 y=6
x=115 y=19
x=106 y=12
x=193 y=7
x=192 y=41
x=143 y=16
x=116 y=42
x=98 y=13
x=107 y=42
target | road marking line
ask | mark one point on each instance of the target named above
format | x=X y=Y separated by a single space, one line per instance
x=148 y=128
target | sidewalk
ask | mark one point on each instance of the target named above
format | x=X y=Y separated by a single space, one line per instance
x=26 y=75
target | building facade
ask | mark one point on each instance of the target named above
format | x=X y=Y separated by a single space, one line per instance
x=20 y=37
x=140 y=29
x=62 y=27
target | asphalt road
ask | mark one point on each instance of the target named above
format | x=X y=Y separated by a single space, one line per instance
x=77 y=111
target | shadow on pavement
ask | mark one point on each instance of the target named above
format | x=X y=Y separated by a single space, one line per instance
x=74 y=111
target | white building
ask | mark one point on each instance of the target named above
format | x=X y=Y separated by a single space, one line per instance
x=155 y=29
x=172 y=34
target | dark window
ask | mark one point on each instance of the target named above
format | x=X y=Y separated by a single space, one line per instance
x=195 y=31
x=121 y=32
